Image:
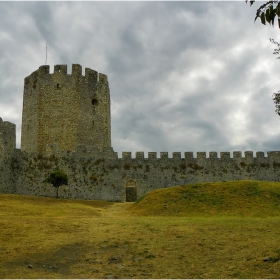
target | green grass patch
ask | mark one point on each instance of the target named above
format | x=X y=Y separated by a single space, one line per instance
x=242 y=198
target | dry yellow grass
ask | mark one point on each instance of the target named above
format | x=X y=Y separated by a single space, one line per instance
x=233 y=198
x=92 y=239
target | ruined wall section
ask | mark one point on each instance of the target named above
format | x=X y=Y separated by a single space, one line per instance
x=7 y=137
x=65 y=110
x=7 y=150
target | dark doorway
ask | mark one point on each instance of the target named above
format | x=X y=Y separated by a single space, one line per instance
x=131 y=191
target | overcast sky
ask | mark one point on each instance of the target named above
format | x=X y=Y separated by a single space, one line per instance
x=183 y=76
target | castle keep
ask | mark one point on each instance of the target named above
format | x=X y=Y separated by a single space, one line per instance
x=66 y=125
x=65 y=110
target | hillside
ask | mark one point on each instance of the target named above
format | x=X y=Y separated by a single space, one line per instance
x=248 y=198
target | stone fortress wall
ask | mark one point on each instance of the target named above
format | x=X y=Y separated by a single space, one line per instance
x=95 y=171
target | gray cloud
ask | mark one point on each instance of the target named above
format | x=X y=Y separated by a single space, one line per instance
x=184 y=76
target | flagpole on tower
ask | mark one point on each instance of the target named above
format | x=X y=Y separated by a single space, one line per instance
x=46 y=53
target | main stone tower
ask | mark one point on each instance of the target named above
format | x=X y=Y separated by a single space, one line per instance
x=66 y=110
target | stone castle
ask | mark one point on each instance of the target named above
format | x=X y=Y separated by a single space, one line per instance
x=66 y=125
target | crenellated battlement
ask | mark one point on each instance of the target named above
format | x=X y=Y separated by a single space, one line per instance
x=202 y=155
x=60 y=71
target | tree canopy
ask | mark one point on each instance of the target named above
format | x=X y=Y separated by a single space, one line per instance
x=57 y=178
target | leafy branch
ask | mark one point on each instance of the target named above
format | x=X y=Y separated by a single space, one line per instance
x=267 y=12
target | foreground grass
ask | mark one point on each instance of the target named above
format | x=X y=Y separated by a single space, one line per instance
x=55 y=238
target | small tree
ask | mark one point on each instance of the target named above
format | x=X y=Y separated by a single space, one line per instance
x=57 y=179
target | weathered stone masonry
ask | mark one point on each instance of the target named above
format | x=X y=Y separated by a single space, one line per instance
x=65 y=109
x=66 y=125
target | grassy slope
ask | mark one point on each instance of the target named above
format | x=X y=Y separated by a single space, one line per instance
x=93 y=239
x=248 y=198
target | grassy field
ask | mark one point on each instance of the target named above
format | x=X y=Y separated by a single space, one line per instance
x=214 y=230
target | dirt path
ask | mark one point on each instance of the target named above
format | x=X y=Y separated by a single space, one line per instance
x=115 y=209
